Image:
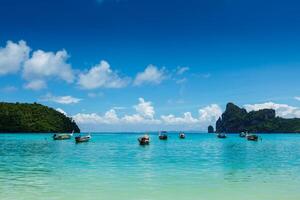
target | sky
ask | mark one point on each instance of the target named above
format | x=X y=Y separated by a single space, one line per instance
x=147 y=65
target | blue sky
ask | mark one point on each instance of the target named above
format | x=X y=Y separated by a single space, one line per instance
x=142 y=65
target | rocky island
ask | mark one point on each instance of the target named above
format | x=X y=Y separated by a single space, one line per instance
x=36 y=118
x=236 y=120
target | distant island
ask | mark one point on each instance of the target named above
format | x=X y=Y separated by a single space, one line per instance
x=36 y=118
x=236 y=120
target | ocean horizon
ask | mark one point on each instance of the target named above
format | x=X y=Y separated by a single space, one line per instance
x=114 y=166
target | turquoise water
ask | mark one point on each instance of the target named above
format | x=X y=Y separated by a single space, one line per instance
x=115 y=167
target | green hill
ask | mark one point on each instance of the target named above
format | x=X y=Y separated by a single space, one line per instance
x=236 y=120
x=25 y=117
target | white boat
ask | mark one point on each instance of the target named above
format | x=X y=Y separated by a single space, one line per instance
x=62 y=136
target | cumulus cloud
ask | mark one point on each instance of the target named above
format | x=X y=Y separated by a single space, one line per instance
x=61 y=111
x=151 y=75
x=12 y=56
x=145 y=109
x=282 y=110
x=43 y=65
x=82 y=118
x=144 y=117
x=186 y=119
x=61 y=99
x=207 y=115
x=35 y=85
x=110 y=117
x=210 y=114
x=101 y=76
x=37 y=68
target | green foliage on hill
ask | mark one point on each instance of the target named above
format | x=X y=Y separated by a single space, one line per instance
x=235 y=120
x=24 y=117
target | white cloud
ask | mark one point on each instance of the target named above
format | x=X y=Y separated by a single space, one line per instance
x=181 y=70
x=207 y=115
x=297 y=98
x=92 y=118
x=282 y=110
x=137 y=120
x=43 y=65
x=61 y=111
x=101 y=76
x=145 y=109
x=186 y=119
x=13 y=56
x=210 y=114
x=110 y=117
x=151 y=75
x=35 y=85
x=144 y=118
x=144 y=115
x=61 y=99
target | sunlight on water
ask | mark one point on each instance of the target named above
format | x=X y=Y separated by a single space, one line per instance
x=115 y=167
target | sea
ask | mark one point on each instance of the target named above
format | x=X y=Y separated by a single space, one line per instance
x=113 y=166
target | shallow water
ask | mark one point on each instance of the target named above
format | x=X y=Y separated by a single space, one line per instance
x=115 y=167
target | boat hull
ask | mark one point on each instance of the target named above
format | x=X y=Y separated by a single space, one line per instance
x=252 y=138
x=145 y=140
x=163 y=137
x=222 y=136
x=80 y=139
x=61 y=137
x=182 y=136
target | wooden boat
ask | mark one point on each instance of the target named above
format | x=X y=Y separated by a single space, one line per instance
x=252 y=137
x=62 y=136
x=163 y=135
x=144 y=140
x=221 y=135
x=181 y=135
x=80 y=139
